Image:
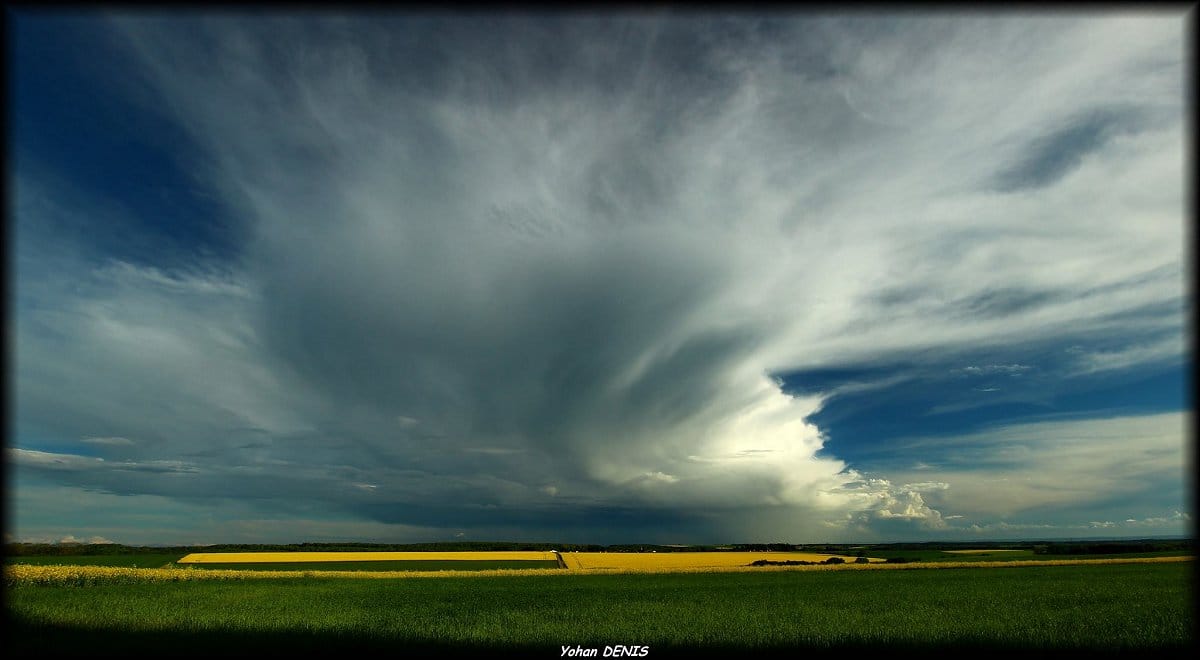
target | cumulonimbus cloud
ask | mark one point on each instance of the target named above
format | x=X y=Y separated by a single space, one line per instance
x=477 y=274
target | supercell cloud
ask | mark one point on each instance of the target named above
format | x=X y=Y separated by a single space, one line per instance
x=606 y=278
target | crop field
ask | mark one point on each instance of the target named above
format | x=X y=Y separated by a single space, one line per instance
x=985 y=551
x=22 y=575
x=489 y=560
x=370 y=561
x=993 y=554
x=385 y=566
x=300 y=561
x=1097 y=606
x=131 y=560
x=962 y=555
x=307 y=557
x=438 y=561
x=696 y=560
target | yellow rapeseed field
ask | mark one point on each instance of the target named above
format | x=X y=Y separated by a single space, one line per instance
x=676 y=560
x=19 y=575
x=304 y=557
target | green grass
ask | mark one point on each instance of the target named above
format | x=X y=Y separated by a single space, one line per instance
x=405 y=565
x=1122 y=555
x=1008 y=555
x=938 y=555
x=1096 y=608
x=138 y=561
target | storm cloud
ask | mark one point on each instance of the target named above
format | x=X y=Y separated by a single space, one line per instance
x=502 y=272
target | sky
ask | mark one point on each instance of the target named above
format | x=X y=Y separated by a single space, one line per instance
x=655 y=276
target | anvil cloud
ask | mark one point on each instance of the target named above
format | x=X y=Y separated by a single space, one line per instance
x=599 y=277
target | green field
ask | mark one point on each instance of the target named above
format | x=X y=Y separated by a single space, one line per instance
x=1081 y=608
x=137 y=561
x=1009 y=555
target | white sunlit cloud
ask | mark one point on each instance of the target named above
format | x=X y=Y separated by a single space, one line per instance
x=1057 y=468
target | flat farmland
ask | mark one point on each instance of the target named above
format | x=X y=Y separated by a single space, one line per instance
x=1083 y=607
x=311 y=557
x=986 y=551
x=419 y=565
x=131 y=560
x=310 y=561
x=686 y=560
x=995 y=554
x=370 y=561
